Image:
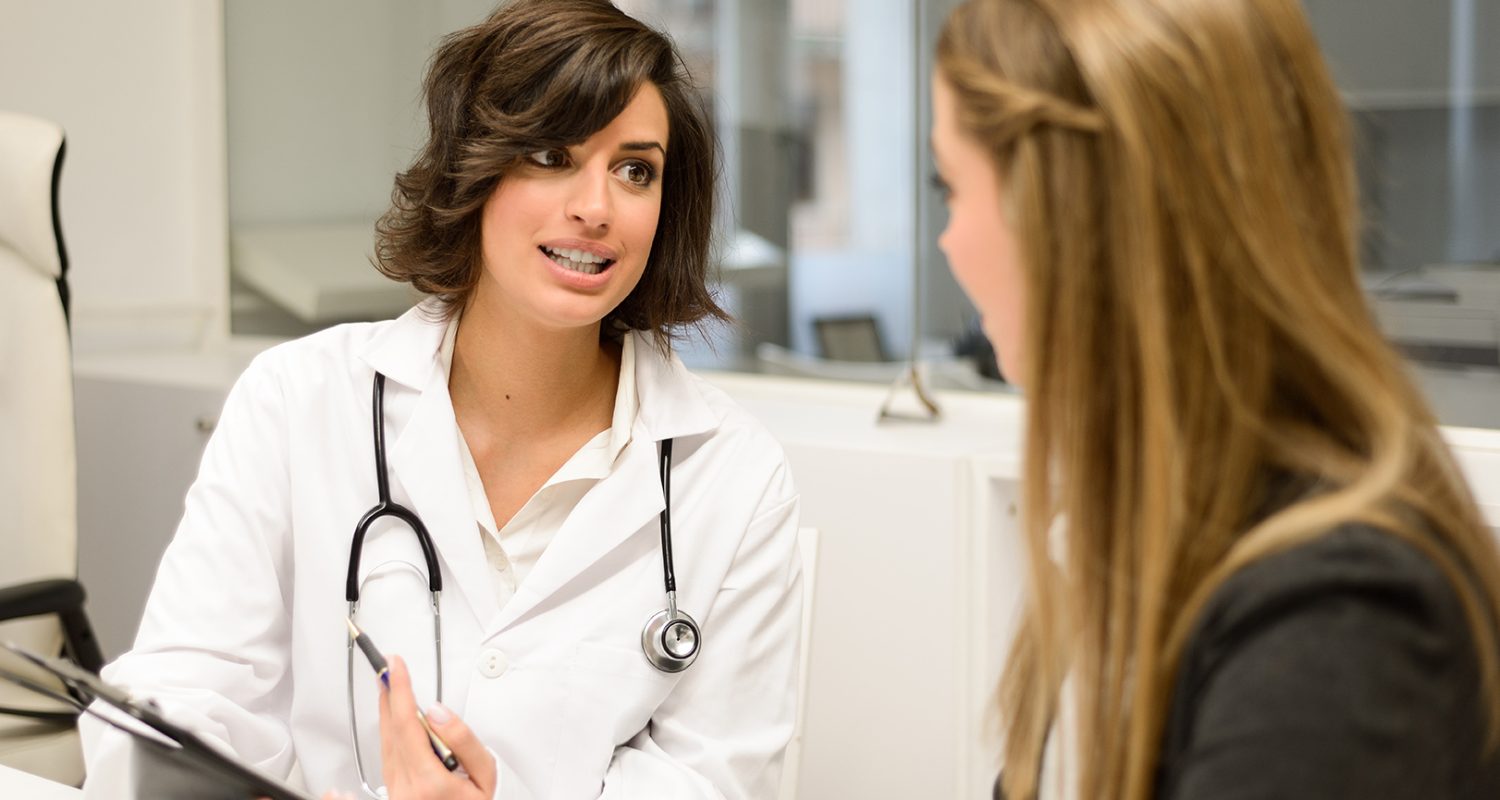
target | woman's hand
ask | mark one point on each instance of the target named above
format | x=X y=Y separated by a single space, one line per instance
x=410 y=769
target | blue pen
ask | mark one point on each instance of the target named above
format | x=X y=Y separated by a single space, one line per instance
x=383 y=671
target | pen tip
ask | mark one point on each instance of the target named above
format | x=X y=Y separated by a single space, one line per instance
x=353 y=629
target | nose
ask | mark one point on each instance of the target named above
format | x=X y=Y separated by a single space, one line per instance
x=589 y=201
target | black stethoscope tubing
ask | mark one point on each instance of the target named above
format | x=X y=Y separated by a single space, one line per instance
x=387 y=508
x=669 y=576
x=671 y=638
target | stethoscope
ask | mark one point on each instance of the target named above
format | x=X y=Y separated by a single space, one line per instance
x=670 y=639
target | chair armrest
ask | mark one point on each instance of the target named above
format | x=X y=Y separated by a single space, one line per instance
x=64 y=598
x=35 y=598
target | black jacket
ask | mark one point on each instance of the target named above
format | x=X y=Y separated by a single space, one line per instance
x=1341 y=669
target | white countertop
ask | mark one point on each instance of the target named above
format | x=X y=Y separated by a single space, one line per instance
x=15 y=783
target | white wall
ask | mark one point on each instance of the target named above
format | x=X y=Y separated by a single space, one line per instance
x=327 y=150
x=139 y=89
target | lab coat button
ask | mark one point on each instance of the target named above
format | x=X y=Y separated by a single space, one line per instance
x=493 y=663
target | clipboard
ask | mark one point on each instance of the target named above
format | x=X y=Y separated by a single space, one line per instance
x=170 y=762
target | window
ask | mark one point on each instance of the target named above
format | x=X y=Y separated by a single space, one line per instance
x=823 y=111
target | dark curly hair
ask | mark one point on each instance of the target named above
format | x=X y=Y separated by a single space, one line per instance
x=536 y=75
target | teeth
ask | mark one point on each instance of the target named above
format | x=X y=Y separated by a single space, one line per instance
x=575 y=260
x=581 y=256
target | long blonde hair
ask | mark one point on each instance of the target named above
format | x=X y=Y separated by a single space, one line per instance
x=1179 y=177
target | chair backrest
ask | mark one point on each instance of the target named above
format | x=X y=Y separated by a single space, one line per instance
x=807 y=543
x=38 y=472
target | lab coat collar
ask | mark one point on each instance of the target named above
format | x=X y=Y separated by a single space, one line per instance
x=614 y=510
x=408 y=351
x=427 y=462
x=671 y=400
x=629 y=499
x=424 y=456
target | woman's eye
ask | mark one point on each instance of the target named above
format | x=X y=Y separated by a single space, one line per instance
x=637 y=173
x=549 y=158
x=942 y=187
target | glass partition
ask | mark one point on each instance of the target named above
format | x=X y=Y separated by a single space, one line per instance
x=1422 y=83
x=828 y=251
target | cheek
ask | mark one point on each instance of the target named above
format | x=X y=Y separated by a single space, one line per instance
x=647 y=216
x=1009 y=298
x=637 y=223
x=972 y=258
x=1006 y=324
x=985 y=261
x=507 y=215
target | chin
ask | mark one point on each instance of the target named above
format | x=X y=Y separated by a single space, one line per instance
x=572 y=323
x=1010 y=370
x=566 y=309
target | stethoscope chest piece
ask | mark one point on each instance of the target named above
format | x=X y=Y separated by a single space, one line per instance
x=670 y=640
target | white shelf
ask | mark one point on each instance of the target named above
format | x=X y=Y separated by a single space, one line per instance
x=750 y=261
x=321 y=273
x=1418 y=99
x=318 y=272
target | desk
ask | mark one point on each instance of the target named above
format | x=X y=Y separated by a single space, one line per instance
x=15 y=783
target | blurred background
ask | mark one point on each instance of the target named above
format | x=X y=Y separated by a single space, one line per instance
x=226 y=160
x=828 y=252
x=275 y=126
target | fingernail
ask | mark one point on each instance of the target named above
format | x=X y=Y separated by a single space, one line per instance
x=439 y=714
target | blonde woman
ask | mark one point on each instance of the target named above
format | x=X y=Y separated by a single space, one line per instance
x=1274 y=582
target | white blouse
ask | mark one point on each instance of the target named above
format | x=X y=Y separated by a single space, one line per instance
x=513 y=550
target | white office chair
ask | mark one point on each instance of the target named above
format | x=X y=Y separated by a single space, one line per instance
x=41 y=603
x=807 y=543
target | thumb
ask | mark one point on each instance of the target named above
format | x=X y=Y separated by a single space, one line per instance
x=472 y=755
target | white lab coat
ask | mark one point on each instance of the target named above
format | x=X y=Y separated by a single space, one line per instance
x=243 y=636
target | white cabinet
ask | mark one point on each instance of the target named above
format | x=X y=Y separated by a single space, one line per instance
x=917 y=579
x=143 y=420
x=919 y=570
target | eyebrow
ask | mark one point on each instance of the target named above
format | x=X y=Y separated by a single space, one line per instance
x=642 y=146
